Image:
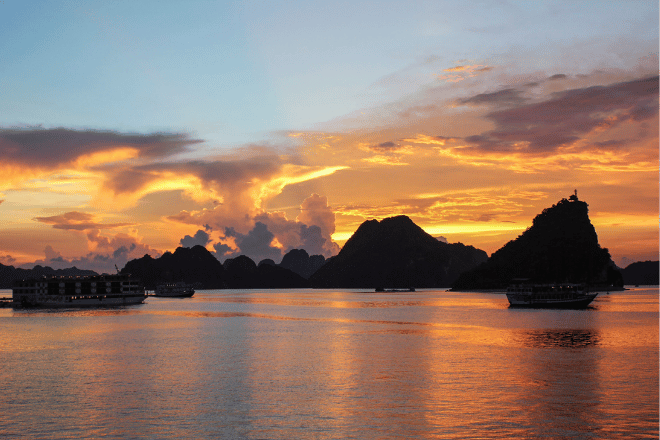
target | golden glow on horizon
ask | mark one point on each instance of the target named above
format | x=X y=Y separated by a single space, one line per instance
x=453 y=168
x=613 y=220
x=462 y=228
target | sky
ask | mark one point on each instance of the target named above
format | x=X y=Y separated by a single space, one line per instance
x=132 y=128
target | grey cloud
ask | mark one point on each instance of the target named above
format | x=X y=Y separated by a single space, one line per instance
x=229 y=174
x=312 y=239
x=221 y=250
x=485 y=218
x=505 y=96
x=384 y=147
x=7 y=259
x=567 y=115
x=256 y=244
x=120 y=251
x=201 y=238
x=99 y=262
x=52 y=147
x=417 y=111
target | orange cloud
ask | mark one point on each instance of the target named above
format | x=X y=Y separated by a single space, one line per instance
x=78 y=221
x=461 y=72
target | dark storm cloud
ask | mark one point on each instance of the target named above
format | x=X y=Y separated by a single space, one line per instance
x=123 y=251
x=505 y=96
x=78 y=221
x=222 y=250
x=562 y=119
x=200 y=238
x=51 y=147
x=312 y=239
x=256 y=244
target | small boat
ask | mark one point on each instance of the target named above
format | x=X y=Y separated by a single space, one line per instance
x=572 y=296
x=175 y=290
x=382 y=289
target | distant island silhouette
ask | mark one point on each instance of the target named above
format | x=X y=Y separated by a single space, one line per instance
x=560 y=246
x=642 y=273
x=9 y=274
x=395 y=254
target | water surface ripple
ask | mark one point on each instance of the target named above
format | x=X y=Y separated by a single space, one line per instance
x=332 y=364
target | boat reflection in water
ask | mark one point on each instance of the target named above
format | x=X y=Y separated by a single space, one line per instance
x=563 y=338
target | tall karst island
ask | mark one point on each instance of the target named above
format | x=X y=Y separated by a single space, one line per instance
x=396 y=253
x=561 y=246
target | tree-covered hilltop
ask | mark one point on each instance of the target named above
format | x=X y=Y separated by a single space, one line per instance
x=560 y=246
x=396 y=253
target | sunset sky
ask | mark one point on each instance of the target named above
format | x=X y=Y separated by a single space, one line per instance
x=134 y=127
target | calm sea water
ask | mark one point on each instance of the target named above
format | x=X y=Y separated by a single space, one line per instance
x=332 y=364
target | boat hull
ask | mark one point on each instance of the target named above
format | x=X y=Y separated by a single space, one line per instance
x=174 y=295
x=516 y=300
x=174 y=290
x=98 y=301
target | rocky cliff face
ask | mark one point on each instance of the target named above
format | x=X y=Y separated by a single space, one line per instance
x=560 y=246
x=396 y=253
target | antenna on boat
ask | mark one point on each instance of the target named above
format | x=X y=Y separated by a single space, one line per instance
x=117 y=269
